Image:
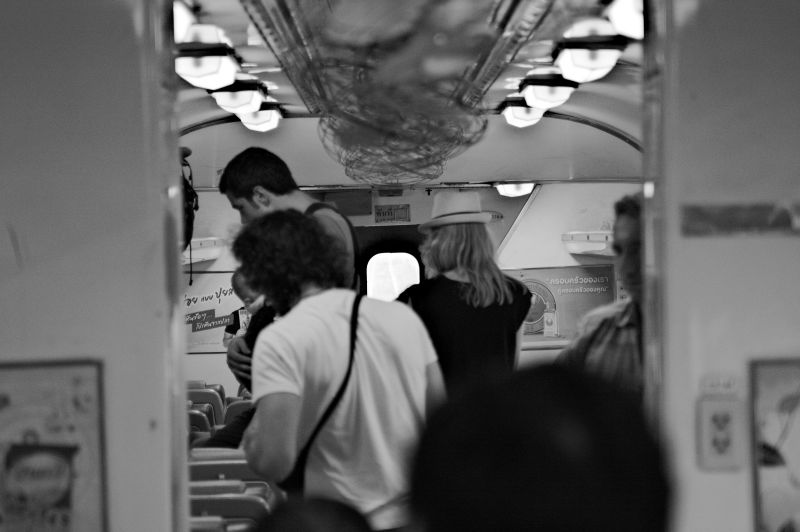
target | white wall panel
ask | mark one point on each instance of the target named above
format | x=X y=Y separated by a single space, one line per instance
x=88 y=244
x=729 y=136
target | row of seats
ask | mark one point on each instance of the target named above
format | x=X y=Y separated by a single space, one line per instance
x=213 y=394
x=209 y=408
x=225 y=495
x=202 y=416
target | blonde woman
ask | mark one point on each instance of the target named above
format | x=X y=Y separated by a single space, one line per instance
x=473 y=312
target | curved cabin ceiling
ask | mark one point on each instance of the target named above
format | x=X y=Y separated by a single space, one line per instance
x=427 y=74
x=556 y=150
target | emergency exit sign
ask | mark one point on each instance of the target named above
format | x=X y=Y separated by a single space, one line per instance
x=393 y=213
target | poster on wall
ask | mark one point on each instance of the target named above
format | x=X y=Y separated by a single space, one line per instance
x=775 y=393
x=561 y=296
x=776 y=218
x=51 y=447
x=208 y=304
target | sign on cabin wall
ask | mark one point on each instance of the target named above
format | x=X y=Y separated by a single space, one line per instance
x=51 y=447
x=561 y=296
x=392 y=213
x=775 y=406
x=208 y=304
x=777 y=218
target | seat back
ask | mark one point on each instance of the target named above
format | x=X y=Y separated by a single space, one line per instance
x=206 y=409
x=213 y=471
x=212 y=397
x=198 y=421
x=220 y=389
x=217 y=463
x=215 y=487
x=235 y=408
x=223 y=469
x=216 y=453
x=231 y=506
x=207 y=523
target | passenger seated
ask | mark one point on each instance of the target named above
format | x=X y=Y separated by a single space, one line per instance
x=551 y=449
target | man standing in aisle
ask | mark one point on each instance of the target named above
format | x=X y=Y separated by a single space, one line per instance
x=338 y=411
x=257 y=182
x=609 y=341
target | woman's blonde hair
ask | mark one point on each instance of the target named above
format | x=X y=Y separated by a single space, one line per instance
x=467 y=249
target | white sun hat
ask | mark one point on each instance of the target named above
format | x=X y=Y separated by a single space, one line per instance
x=454 y=207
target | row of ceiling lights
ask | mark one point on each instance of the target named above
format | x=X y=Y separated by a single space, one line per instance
x=587 y=51
x=206 y=59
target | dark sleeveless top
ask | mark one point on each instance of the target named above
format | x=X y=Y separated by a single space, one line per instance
x=472 y=343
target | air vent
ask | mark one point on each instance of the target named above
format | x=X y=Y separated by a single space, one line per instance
x=588 y=242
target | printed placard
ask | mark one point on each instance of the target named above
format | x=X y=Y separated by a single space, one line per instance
x=51 y=447
x=208 y=303
x=393 y=213
x=775 y=218
x=561 y=296
x=775 y=406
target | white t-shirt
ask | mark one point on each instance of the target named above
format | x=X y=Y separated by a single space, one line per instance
x=361 y=455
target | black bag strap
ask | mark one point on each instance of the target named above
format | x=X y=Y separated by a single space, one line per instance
x=317 y=205
x=302 y=457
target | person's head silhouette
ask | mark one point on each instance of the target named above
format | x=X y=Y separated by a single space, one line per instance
x=551 y=449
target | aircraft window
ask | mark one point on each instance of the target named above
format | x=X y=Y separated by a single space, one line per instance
x=388 y=274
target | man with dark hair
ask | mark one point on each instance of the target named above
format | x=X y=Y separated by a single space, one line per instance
x=609 y=340
x=257 y=182
x=549 y=449
x=352 y=400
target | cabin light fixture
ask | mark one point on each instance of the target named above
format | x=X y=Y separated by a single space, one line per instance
x=627 y=17
x=245 y=95
x=206 y=59
x=182 y=19
x=266 y=118
x=512 y=83
x=589 y=50
x=545 y=87
x=517 y=113
x=253 y=37
x=513 y=190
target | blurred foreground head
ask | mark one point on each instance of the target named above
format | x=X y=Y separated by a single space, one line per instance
x=550 y=449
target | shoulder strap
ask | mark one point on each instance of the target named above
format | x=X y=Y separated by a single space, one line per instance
x=318 y=205
x=340 y=392
x=314 y=207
